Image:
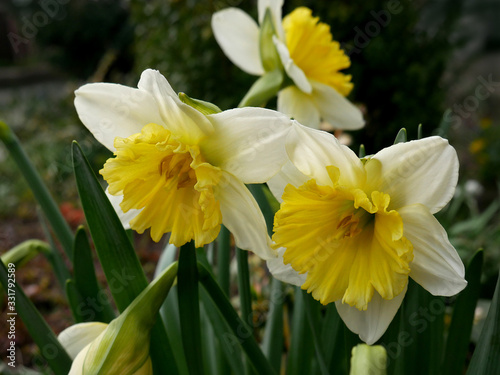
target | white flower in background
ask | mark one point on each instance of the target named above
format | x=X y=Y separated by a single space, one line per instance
x=353 y=231
x=178 y=170
x=311 y=59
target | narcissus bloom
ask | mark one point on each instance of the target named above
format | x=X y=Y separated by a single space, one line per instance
x=178 y=170
x=353 y=231
x=311 y=59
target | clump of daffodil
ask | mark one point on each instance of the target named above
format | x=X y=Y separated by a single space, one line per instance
x=182 y=169
x=122 y=346
x=353 y=231
x=301 y=46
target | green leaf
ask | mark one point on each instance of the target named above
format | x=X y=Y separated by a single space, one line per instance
x=95 y=305
x=170 y=310
x=332 y=333
x=189 y=308
x=302 y=346
x=240 y=334
x=457 y=344
x=119 y=261
x=265 y=88
x=401 y=137
x=228 y=351
x=486 y=357
x=418 y=345
x=39 y=189
x=313 y=314
x=245 y=294
x=20 y=305
x=272 y=343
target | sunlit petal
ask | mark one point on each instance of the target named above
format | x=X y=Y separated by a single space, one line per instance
x=238 y=36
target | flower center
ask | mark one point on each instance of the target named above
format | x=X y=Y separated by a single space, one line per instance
x=347 y=242
x=312 y=49
x=170 y=182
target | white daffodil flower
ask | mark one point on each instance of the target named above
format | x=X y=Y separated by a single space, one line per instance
x=178 y=170
x=353 y=231
x=311 y=59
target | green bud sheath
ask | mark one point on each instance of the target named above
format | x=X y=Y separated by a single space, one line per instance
x=123 y=348
x=202 y=106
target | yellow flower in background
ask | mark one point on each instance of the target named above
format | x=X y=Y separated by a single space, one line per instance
x=353 y=231
x=179 y=170
x=311 y=58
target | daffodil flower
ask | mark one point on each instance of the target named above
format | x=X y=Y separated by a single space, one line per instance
x=311 y=59
x=353 y=231
x=178 y=170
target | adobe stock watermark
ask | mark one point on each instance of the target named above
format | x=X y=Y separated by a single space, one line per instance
x=30 y=26
x=373 y=28
x=485 y=87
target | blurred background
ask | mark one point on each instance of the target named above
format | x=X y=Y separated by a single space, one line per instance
x=435 y=63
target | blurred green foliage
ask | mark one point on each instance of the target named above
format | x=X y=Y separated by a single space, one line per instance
x=75 y=35
x=176 y=38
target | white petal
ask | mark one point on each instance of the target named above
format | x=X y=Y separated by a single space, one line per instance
x=77 y=365
x=242 y=216
x=78 y=336
x=370 y=324
x=292 y=70
x=423 y=171
x=125 y=218
x=275 y=7
x=311 y=151
x=436 y=264
x=288 y=174
x=248 y=142
x=109 y=110
x=238 y=36
x=335 y=108
x=285 y=272
x=298 y=105
x=182 y=120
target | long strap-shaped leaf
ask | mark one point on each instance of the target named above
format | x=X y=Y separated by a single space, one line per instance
x=248 y=343
x=119 y=261
x=458 y=340
x=486 y=358
x=50 y=348
x=189 y=308
x=96 y=306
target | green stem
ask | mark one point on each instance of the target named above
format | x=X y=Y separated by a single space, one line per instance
x=272 y=343
x=39 y=189
x=240 y=332
x=189 y=308
x=245 y=293
x=53 y=255
x=223 y=259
